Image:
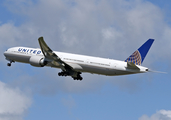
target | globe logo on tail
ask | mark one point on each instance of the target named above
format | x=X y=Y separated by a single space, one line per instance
x=138 y=56
x=135 y=58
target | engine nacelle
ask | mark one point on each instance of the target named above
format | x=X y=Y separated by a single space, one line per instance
x=37 y=61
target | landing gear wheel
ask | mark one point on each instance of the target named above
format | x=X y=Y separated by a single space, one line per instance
x=66 y=73
x=59 y=74
x=9 y=64
x=81 y=78
x=63 y=73
x=11 y=61
x=77 y=78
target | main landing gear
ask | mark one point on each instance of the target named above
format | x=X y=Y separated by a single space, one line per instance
x=68 y=74
x=63 y=74
x=78 y=77
x=9 y=64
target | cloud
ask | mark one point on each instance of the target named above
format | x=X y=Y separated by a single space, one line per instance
x=103 y=28
x=104 y=24
x=99 y=28
x=159 y=115
x=13 y=103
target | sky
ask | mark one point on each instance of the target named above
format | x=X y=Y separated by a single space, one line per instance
x=103 y=28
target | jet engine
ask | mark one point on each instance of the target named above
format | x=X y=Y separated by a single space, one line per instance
x=37 y=61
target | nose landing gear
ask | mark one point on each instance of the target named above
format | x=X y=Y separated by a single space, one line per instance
x=9 y=64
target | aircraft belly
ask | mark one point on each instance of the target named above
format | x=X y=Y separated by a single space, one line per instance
x=97 y=70
x=18 y=57
x=104 y=71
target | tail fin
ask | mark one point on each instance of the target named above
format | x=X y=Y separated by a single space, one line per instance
x=138 y=56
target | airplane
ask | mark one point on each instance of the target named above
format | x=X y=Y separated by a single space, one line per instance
x=73 y=64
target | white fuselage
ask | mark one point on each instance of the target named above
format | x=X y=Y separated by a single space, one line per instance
x=80 y=63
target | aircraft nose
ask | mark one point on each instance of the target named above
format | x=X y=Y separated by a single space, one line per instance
x=6 y=53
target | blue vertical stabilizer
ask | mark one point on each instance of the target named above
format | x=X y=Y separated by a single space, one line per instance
x=138 y=56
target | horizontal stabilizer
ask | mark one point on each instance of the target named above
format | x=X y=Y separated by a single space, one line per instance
x=131 y=65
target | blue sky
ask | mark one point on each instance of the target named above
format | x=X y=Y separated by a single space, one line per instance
x=103 y=28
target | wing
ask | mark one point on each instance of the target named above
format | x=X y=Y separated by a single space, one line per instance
x=49 y=54
x=67 y=69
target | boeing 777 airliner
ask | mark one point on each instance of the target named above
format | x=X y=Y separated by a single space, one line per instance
x=73 y=64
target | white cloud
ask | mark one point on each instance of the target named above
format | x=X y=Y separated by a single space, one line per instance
x=105 y=28
x=159 y=115
x=91 y=27
x=13 y=103
x=112 y=29
x=66 y=24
